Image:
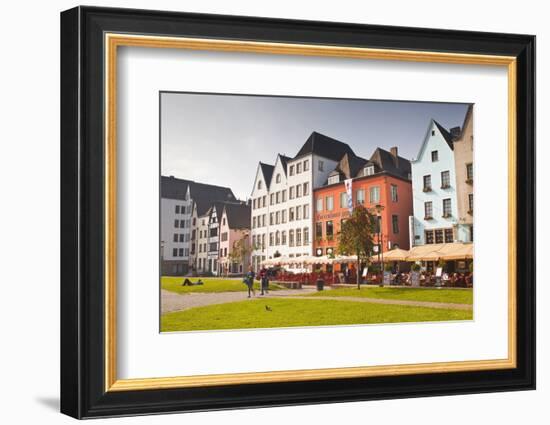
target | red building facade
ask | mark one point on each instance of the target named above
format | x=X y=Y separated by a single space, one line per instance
x=392 y=193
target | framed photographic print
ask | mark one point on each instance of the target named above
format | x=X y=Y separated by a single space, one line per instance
x=261 y=212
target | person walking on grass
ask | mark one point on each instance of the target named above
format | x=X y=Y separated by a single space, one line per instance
x=264 y=281
x=249 y=280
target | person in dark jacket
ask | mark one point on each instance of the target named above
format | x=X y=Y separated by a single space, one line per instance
x=249 y=281
x=264 y=281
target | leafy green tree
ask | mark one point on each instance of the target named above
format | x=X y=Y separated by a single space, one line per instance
x=357 y=236
x=241 y=251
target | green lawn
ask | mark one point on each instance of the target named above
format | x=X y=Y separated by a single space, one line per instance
x=211 y=284
x=293 y=312
x=455 y=296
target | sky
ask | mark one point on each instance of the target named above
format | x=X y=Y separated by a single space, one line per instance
x=219 y=139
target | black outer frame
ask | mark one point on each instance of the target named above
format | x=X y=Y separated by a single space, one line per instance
x=82 y=206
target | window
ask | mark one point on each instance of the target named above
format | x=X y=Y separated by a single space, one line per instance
x=395 y=223
x=263 y=241
x=176 y=223
x=271 y=219
x=438 y=236
x=306 y=211
x=445 y=180
x=469 y=172
x=180 y=252
x=271 y=239
x=329 y=229
x=291 y=193
x=298 y=168
x=177 y=209
x=298 y=213
x=259 y=184
x=435 y=156
x=291 y=172
x=334 y=179
x=298 y=237
x=277 y=238
x=449 y=235
x=318 y=230
x=447 y=207
x=182 y=209
x=306 y=235
x=214 y=232
x=264 y=201
x=369 y=170
x=291 y=214
x=254 y=204
x=330 y=203
x=283 y=216
x=428 y=210
x=224 y=236
x=470 y=203
x=277 y=217
x=433 y=132
x=394 y=193
x=306 y=165
x=223 y=221
x=374 y=194
x=278 y=197
x=321 y=166
x=360 y=196
x=319 y=207
x=271 y=199
x=175 y=252
x=283 y=237
x=343 y=199
x=277 y=178
x=291 y=238
x=427 y=183
x=298 y=191
x=306 y=189
x=253 y=222
x=182 y=237
x=283 y=196
x=175 y=237
x=263 y=220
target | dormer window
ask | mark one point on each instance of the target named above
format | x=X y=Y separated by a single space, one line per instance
x=334 y=179
x=369 y=170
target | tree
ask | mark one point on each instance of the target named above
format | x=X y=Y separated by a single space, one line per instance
x=241 y=250
x=357 y=236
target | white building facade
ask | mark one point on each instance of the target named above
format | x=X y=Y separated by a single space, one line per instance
x=175 y=234
x=435 y=207
x=282 y=199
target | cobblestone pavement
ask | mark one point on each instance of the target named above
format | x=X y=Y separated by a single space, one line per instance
x=172 y=301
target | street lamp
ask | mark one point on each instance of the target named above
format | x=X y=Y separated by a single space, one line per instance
x=379 y=209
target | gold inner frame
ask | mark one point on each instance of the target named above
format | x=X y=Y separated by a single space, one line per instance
x=113 y=41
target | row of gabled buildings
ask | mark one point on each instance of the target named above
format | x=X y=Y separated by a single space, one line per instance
x=200 y=226
x=297 y=204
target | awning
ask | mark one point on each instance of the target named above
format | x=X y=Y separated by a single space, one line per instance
x=397 y=254
x=442 y=251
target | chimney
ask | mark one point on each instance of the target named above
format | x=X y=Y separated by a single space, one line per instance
x=455 y=132
x=393 y=151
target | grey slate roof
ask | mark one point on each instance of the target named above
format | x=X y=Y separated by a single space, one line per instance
x=385 y=161
x=284 y=161
x=202 y=194
x=267 y=171
x=446 y=135
x=325 y=146
x=238 y=215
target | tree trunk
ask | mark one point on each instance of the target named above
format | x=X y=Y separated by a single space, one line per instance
x=358 y=272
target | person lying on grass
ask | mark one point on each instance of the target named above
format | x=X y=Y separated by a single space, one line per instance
x=187 y=282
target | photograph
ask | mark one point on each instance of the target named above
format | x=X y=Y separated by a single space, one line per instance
x=281 y=212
